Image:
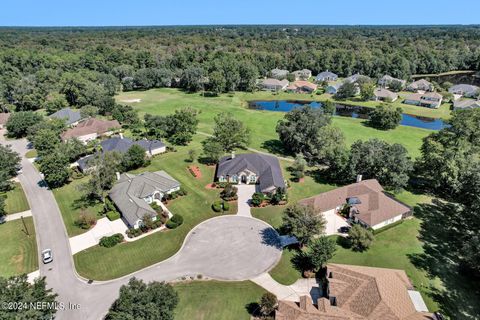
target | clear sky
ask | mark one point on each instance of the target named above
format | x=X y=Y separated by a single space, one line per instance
x=201 y=12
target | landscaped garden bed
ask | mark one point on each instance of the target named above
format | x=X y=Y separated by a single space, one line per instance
x=195 y=171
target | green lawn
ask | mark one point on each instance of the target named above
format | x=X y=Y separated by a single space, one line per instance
x=103 y=263
x=261 y=123
x=16 y=201
x=69 y=201
x=31 y=153
x=214 y=300
x=19 y=251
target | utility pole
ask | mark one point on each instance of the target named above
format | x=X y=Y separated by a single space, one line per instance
x=25 y=226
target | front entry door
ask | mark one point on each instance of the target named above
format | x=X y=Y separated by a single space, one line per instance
x=244 y=179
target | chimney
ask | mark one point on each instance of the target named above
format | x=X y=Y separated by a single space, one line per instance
x=359 y=178
x=233 y=155
x=118 y=175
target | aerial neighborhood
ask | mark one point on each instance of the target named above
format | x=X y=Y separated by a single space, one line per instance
x=196 y=173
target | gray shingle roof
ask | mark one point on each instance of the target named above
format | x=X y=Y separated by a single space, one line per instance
x=326 y=75
x=129 y=191
x=267 y=168
x=68 y=114
x=466 y=89
x=121 y=145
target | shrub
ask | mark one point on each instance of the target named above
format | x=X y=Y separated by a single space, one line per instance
x=132 y=232
x=171 y=225
x=385 y=117
x=226 y=206
x=360 y=238
x=217 y=206
x=113 y=215
x=156 y=207
x=111 y=241
x=229 y=193
x=221 y=184
x=85 y=220
x=257 y=199
x=178 y=219
x=108 y=206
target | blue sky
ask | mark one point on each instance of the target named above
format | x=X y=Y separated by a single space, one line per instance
x=188 y=12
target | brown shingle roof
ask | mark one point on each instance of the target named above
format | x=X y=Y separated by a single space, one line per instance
x=4 y=118
x=302 y=84
x=89 y=126
x=361 y=293
x=375 y=206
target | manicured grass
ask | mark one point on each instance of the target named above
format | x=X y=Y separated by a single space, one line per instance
x=31 y=153
x=214 y=300
x=284 y=272
x=16 y=201
x=69 y=201
x=18 y=252
x=261 y=123
x=103 y=263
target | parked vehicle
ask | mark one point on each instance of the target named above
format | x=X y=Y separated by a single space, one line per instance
x=344 y=229
x=47 y=256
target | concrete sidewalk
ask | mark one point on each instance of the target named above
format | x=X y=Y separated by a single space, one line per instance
x=282 y=292
x=15 y=216
x=245 y=192
x=104 y=227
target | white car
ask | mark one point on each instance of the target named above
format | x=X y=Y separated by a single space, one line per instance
x=47 y=256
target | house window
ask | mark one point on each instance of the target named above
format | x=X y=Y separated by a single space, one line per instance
x=234 y=178
x=253 y=178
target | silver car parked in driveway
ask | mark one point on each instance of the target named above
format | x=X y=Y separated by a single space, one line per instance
x=47 y=256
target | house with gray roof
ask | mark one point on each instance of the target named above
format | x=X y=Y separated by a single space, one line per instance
x=133 y=194
x=121 y=145
x=303 y=74
x=71 y=117
x=427 y=99
x=271 y=84
x=466 y=90
x=332 y=88
x=386 y=80
x=326 y=76
x=279 y=73
x=356 y=77
x=466 y=104
x=420 y=85
x=251 y=168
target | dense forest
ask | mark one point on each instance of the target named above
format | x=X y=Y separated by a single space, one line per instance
x=88 y=65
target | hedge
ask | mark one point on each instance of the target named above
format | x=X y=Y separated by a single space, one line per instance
x=217 y=206
x=111 y=241
x=113 y=215
x=226 y=206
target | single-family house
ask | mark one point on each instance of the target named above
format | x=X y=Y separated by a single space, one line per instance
x=326 y=76
x=332 y=88
x=364 y=202
x=133 y=194
x=386 y=80
x=121 y=145
x=271 y=84
x=302 y=87
x=427 y=99
x=90 y=129
x=251 y=168
x=420 y=85
x=279 y=74
x=466 y=104
x=350 y=292
x=382 y=94
x=466 y=90
x=3 y=119
x=356 y=77
x=303 y=74
x=70 y=116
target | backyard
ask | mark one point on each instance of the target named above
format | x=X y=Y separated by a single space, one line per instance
x=101 y=263
x=19 y=249
x=214 y=300
x=16 y=201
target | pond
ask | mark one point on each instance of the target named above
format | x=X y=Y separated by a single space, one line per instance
x=347 y=111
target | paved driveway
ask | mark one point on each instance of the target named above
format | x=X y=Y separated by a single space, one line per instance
x=334 y=222
x=245 y=192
